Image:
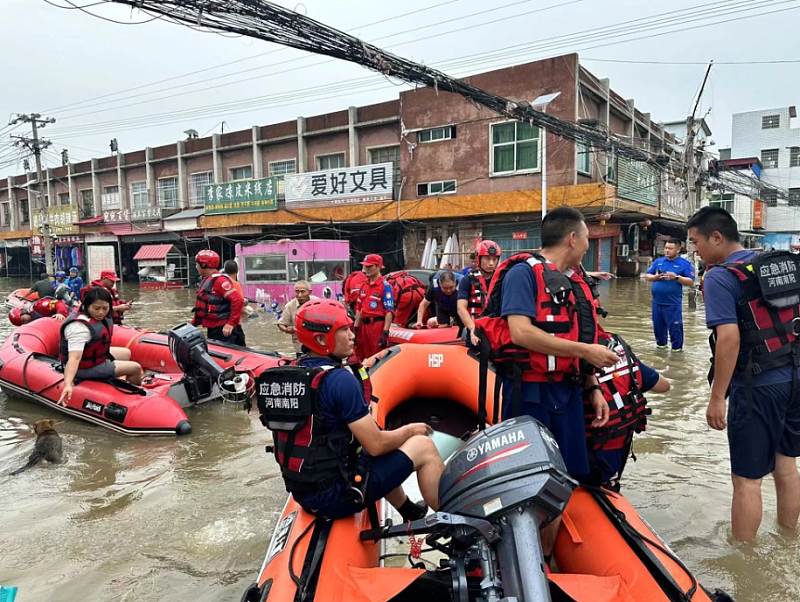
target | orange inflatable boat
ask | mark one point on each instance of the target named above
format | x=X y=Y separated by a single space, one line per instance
x=398 y=335
x=500 y=485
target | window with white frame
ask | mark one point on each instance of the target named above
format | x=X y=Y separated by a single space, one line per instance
x=87 y=203
x=770 y=197
x=6 y=214
x=139 y=197
x=111 y=190
x=770 y=122
x=432 y=188
x=794 y=197
x=611 y=172
x=584 y=158
x=265 y=268
x=168 y=193
x=723 y=201
x=197 y=187
x=769 y=157
x=63 y=198
x=240 y=173
x=335 y=161
x=794 y=156
x=388 y=154
x=447 y=132
x=279 y=169
x=515 y=148
x=24 y=212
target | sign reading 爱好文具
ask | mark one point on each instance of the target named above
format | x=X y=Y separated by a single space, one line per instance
x=242 y=196
x=344 y=186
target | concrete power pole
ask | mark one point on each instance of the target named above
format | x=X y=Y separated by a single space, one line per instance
x=688 y=152
x=35 y=145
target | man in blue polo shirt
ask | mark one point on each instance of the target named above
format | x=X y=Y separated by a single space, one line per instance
x=763 y=413
x=669 y=274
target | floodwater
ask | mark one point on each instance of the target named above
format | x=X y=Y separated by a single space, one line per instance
x=190 y=519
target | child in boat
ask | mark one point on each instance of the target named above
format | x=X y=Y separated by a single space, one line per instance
x=85 y=348
x=334 y=459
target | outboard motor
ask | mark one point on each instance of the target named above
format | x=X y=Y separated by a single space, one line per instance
x=189 y=348
x=513 y=476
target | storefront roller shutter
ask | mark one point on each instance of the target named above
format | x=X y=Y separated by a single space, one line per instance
x=503 y=235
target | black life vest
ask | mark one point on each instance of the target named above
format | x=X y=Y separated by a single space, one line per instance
x=310 y=459
x=622 y=389
x=768 y=310
x=560 y=297
x=478 y=294
x=97 y=350
x=209 y=305
x=408 y=291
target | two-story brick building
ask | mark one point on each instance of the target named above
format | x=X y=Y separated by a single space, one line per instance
x=456 y=168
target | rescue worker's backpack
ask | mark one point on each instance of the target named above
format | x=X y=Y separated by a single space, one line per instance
x=408 y=291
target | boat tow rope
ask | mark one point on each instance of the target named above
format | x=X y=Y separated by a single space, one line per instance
x=657 y=570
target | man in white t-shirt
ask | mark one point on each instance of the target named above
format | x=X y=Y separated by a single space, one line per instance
x=302 y=295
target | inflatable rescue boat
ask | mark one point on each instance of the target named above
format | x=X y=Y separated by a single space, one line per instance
x=399 y=335
x=21 y=297
x=181 y=370
x=501 y=485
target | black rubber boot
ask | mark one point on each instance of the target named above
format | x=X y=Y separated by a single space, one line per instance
x=411 y=511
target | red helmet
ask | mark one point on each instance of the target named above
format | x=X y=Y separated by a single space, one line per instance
x=489 y=248
x=15 y=316
x=323 y=317
x=207 y=259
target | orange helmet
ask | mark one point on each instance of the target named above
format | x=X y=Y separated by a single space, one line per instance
x=15 y=316
x=207 y=259
x=323 y=317
x=489 y=248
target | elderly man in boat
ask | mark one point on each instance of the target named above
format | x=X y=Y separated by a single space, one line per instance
x=334 y=459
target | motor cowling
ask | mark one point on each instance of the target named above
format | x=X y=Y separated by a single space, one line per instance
x=507 y=465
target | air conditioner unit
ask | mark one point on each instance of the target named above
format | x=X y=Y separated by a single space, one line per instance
x=622 y=250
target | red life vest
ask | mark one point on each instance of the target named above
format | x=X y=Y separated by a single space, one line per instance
x=556 y=314
x=97 y=350
x=352 y=288
x=310 y=458
x=116 y=300
x=478 y=293
x=622 y=389
x=408 y=292
x=44 y=308
x=768 y=311
x=209 y=305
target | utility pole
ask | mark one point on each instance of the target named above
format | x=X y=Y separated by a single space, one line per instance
x=688 y=152
x=35 y=145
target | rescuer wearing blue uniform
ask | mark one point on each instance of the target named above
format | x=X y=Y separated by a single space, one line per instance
x=752 y=371
x=669 y=274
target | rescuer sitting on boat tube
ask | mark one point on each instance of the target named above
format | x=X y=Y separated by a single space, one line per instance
x=85 y=349
x=43 y=308
x=219 y=305
x=442 y=294
x=473 y=290
x=334 y=458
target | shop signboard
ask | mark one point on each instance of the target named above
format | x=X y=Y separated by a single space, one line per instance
x=638 y=181
x=519 y=236
x=132 y=215
x=62 y=219
x=243 y=196
x=37 y=246
x=345 y=186
x=758 y=214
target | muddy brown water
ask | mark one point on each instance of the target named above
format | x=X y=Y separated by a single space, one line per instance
x=190 y=519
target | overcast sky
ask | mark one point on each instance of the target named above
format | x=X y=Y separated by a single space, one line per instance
x=61 y=62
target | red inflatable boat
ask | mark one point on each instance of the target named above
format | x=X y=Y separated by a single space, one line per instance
x=21 y=297
x=398 y=335
x=181 y=370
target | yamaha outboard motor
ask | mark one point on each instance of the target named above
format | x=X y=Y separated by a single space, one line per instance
x=511 y=475
x=189 y=348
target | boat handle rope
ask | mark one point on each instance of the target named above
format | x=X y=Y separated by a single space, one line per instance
x=137 y=337
x=25 y=378
x=600 y=494
x=294 y=577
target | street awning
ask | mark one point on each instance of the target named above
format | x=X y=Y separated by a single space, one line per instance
x=91 y=221
x=152 y=252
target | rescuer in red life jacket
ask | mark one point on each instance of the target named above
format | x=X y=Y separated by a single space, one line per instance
x=107 y=280
x=753 y=306
x=473 y=290
x=375 y=310
x=85 y=349
x=43 y=308
x=219 y=305
x=334 y=458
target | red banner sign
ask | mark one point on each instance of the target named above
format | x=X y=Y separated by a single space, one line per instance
x=37 y=245
x=758 y=214
x=519 y=236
